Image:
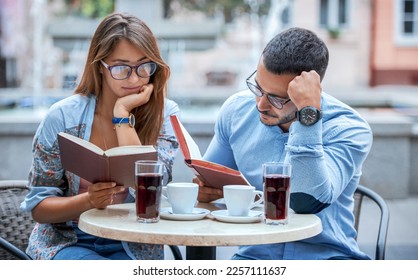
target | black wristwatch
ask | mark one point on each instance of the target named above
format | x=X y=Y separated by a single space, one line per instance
x=308 y=115
x=129 y=120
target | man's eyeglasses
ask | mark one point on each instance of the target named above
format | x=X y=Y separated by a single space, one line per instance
x=122 y=72
x=276 y=101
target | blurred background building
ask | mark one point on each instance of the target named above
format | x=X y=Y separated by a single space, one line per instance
x=207 y=43
x=211 y=47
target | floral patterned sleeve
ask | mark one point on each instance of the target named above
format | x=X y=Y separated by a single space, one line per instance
x=46 y=176
x=46 y=166
x=46 y=173
x=167 y=144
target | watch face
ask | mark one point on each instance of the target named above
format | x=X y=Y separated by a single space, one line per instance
x=309 y=116
x=132 y=120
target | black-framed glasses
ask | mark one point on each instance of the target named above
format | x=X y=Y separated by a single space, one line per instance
x=276 y=101
x=123 y=71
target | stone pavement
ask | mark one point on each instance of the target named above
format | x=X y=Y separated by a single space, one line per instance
x=402 y=241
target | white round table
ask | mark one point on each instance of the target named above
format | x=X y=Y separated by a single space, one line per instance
x=119 y=222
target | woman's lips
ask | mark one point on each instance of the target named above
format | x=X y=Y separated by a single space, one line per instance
x=132 y=89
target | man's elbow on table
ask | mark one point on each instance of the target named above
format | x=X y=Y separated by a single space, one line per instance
x=303 y=203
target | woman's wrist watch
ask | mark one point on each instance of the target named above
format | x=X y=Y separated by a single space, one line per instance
x=308 y=115
x=128 y=120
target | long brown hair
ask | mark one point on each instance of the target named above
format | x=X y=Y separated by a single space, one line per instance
x=113 y=28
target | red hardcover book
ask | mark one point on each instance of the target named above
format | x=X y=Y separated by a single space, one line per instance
x=93 y=164
x=215 y=175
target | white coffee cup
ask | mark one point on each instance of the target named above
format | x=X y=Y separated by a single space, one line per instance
x=239 y=199
x=182 y=196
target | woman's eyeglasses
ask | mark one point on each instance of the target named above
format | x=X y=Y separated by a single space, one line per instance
x=276 y=101
x=122 y=72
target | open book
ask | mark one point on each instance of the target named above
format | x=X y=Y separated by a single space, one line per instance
x=91 y=163
x=213 y=174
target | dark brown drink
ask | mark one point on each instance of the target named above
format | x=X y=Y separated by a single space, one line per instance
x=148 y=197
x=276 y=197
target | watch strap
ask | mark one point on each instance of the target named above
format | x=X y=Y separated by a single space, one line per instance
x=127 y=120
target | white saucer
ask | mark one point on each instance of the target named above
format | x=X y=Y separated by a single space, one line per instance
x=223 y=216
x=198 y=213
x=221 y=202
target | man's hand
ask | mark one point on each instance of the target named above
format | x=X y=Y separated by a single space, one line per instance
x=305 y=90
x=207 y=193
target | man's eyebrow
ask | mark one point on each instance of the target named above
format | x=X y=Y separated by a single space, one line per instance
x=271 y=94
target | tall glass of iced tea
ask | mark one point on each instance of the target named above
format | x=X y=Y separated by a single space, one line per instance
x=276 y=185
x=149 y=182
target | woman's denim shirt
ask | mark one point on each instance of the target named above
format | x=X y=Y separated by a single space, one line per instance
x=74 y=115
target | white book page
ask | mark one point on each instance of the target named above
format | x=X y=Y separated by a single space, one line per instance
x=123 y=150
x=191 y=144
x=82 y=142
x=128 y=150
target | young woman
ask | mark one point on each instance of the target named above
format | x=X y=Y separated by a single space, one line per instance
x=124 y=75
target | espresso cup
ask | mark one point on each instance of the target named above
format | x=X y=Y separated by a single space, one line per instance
x=239 y=199
x=182 y=196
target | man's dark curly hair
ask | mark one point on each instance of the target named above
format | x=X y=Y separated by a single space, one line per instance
x=295 y=50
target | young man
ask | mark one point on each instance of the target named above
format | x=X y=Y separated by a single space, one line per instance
x=285 y=116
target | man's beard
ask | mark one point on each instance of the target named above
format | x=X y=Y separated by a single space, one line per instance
x=280 y=121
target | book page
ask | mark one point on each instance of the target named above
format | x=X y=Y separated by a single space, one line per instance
x=191 y=144
x=82 y=142
x=214 y=166
x=88 y=161
x=217 y=176
x=127 y=150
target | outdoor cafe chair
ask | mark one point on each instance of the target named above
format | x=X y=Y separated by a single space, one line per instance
x=359 y=195
x=16 y=226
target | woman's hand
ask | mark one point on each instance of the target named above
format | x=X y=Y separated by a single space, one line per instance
x=124 y=105
x=58 y=209
x=100 y=195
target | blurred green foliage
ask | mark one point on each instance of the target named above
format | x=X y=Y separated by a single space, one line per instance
x=90 y=8
x=211 y=5
x=229 y=8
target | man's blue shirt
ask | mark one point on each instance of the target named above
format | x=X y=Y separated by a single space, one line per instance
x=326 y=160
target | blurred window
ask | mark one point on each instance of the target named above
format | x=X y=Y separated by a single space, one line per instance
x=406 y=15
x=334 y=14
x=286 y=16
